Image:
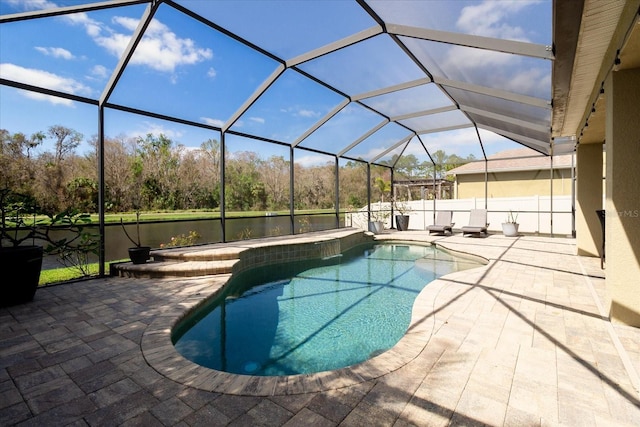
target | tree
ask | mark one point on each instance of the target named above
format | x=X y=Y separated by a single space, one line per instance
x=16 y=170
x=314 y=186
x=53 y=171
x=66 y=141
x=440 y=158
x=118 y=172
x=383 y=187
x=353 y=194
x=406 y=166
x=275 y=175
x=244 y=188
x=156 y=166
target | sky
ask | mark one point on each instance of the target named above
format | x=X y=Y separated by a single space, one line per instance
x=185 y=69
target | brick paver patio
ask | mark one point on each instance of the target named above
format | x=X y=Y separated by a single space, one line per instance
x=521 y=341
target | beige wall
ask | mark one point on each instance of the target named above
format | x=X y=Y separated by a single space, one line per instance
x=622 y=232
x=589 y=199
x=514 y=184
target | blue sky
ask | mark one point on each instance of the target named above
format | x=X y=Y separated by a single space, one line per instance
x=186 y=69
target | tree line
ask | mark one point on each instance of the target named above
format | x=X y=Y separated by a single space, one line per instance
x=153 y=173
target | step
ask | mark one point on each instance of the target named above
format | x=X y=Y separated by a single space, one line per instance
x=161 y=269
x=220 y=258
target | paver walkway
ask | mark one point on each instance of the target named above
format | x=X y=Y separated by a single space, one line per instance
x=519 y=342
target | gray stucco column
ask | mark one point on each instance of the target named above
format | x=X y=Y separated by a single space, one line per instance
x=589 y=199
x=622 y=90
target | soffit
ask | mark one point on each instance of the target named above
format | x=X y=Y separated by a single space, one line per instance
x=604 y=29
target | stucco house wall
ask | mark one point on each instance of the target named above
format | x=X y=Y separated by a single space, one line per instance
x=514 y=184
x=518 y=172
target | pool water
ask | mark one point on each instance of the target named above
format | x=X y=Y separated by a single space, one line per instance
x=303 y=318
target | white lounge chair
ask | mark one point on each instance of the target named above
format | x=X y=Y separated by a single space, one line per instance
x=443 y=223
x=477 y=223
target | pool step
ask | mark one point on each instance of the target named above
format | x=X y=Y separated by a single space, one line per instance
x=161 y=269
x=220 y=258
x=182 y=263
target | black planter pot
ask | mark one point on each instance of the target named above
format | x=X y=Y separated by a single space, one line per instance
x=139 y=255
x=26 y=263
x=402 y=222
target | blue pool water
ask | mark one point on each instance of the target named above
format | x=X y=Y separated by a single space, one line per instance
x=304 y=318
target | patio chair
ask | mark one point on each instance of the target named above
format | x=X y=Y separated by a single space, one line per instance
x=477 y=223
x=443 y=223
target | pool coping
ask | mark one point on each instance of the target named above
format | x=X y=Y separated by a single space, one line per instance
x=160 y=353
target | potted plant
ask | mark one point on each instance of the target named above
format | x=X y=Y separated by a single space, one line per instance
x=19 y=251
x=402 y=218
x=510 y=226
x=138 y=254
x=74 y=245
x=378 y=219
x=22 y=237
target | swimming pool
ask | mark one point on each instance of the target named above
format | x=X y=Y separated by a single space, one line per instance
x=306 y=317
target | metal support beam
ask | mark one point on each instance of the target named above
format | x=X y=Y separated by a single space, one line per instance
x=527 y=124
x=145 y=21
x=423 y=113
x=497 y=93
x=254 y=97
x=337 y=189
x=363 y=137
x=57 y=11
x=368 y=193
x=292 y=228
x=478 y=42
x=393 y=147
x=444 y=129
x=223 y=210
x=337 y=45
x=535 y=144
x=391 y=89
x=322 y=121
x=101 y=193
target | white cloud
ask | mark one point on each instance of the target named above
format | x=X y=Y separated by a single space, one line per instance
x=213 y=122
x=257 y=120
x=307 y=113
x=160 y=48
x=475 y=59
x=155 y=129
x=56 y=52
x=129 y=24
x=115 y=44
x=211 y=72
x=299 y=112
x=493 y=18
x=99 y=71
x=533 y=80
x=460 y=142
x=489 y=19
x=374 y=152
x=311 y=160
x=93 y=28
x=32 y=4
x=44 y=79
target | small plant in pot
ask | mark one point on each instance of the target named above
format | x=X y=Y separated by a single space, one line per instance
x=138 y=254
x=402 y=218
x=22 y=236
x=20 y=253
x=510 y=226
x=378 y=218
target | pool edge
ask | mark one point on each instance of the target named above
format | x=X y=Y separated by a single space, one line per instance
x=160 y=353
